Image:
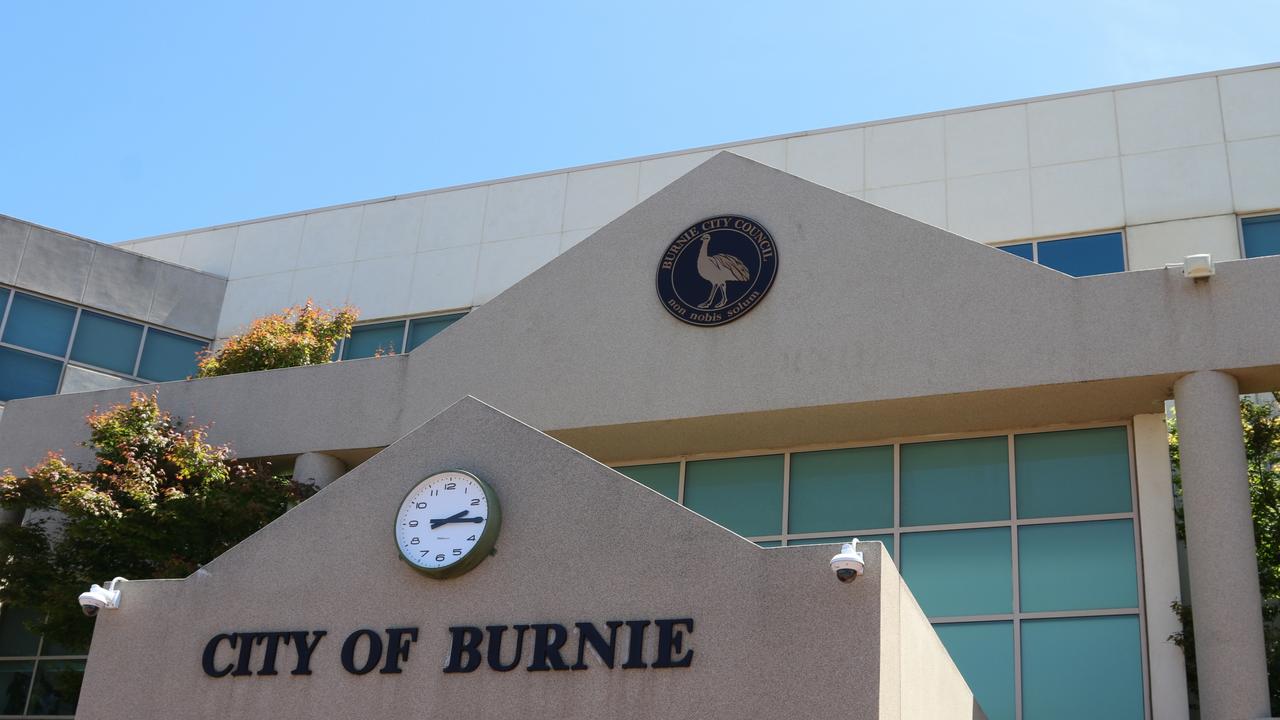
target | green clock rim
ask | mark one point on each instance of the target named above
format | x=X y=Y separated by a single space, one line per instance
x=483 y=547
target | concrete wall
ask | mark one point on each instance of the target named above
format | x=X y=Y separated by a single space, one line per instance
x=1172 y=162
x=774 y=635
x=110 y=278
x=877 y=326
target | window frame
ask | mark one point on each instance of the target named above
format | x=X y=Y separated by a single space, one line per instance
x=1014 y=523
x=1035 y=246
x=407 y=321
x=1240 y=230
x=66 y=360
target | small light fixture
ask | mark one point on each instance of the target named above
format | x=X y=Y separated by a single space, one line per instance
x=1198 y=267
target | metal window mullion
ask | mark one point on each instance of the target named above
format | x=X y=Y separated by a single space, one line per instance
x=1015 y=580
x=404 y=338
x=137 y=358
x=786 y=495
x=30 y=351
x=680 y=483
x=66 y=354
x=897 y=503
x=1065 y=519
x=4 y=321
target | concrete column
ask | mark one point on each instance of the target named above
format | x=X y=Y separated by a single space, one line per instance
x=318 y=469
x=1225 y=599
x=1161 y=580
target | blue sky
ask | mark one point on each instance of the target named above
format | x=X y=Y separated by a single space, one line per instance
x=129 y=119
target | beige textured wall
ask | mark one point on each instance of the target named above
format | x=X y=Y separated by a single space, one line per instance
x=775 y=634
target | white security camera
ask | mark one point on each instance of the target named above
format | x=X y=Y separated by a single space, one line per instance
x=99 y=598
x=848 y=564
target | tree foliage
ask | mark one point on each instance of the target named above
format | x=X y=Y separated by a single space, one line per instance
x=1261 y=424
x=159 y=503
x=298 y=335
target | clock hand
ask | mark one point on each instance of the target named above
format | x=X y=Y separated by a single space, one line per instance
x=455 y=518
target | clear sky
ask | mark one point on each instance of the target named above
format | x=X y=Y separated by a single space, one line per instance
x=127 y=119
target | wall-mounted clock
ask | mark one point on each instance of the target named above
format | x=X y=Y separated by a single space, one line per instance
x=448 y=523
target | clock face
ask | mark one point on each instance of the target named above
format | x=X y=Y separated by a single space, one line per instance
x=448 y=523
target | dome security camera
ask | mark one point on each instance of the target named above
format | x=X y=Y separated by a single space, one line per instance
x=100 y=598
x=848 y=564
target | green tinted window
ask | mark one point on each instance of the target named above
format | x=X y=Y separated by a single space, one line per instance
x=1077 y=566
x=39 y=324
x=57 y=687
x=15 y=638
x=26 y=375
x=742 y=494
x=106 y=342
x=841 y=490
x=983 y=652
x=1082 y=668
x=959 y=572
x=15 y=679
x=769 y=543
x=1074 y=472
x=369 y=340
x=166 y=356
x=662 y=477
x=887 y=540
x=955 y=481
x=423 y=329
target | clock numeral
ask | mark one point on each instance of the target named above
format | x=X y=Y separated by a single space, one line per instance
x=420 y=505
x=435 y=492
x=415 y=541
x=413 y=523
x=457 y=551
x=424 y=552
x=472 y=538
x=475 y=502
x=451 y=486
x=440 y=558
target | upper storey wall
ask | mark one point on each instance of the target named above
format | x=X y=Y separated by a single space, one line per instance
x=108 y=278
x=1173 y=162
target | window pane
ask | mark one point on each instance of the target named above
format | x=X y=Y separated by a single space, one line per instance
x=955 y=481
x=1261 y=236
x=742 y=494
x=106 y=342
x=1081 y=256
x=663 y=477
x=423 y=329
x=841 y=490
x=15 y=638
x=983 y=651
x=39 y=324
x=168 y=357
x=367 y=340
x=25 y=375
x=57 y=687
x=1077 y=472
x=1063 y=657
x=1077 y=566
x=1023 y=250
x=959 y=572
x=15 y=678
x=887 y=540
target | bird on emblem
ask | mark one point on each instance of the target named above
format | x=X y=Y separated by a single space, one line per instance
x=719 y=270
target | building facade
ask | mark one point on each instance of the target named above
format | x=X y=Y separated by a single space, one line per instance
x=998 y=426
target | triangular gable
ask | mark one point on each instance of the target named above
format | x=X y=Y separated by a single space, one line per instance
x=768 y=632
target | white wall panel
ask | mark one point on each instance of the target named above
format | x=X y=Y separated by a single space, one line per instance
x=390 y=228
x=834 y=159
x=210 y=251
x=926 y=202
x=1188 y=182
x=503 y=264
x=444 y=279
x=1072 y=129
x=330 y=237
x=1077 y=197
x=380 y=287
x=1255 y=174
x=1251 y=103
x=1169 y=115
x=987 y=141
x=521 y=208
x=1155 y=245
x=990 y=208
x=267 y=247
x=903 y=153
x=598 y=196
x=453 y=218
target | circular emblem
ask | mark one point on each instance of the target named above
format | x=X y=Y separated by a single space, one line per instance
x=717 y=270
